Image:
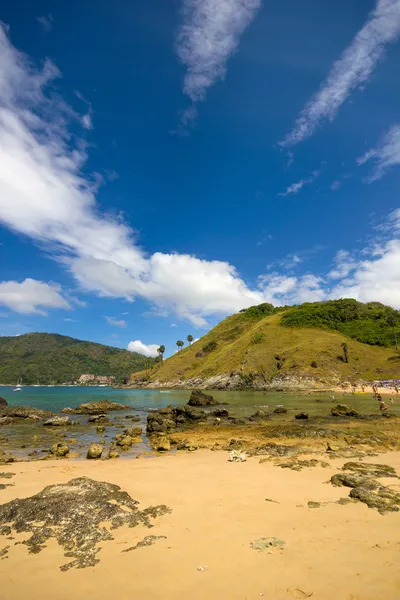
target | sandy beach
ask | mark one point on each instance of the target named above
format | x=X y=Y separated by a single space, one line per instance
x=218 y=508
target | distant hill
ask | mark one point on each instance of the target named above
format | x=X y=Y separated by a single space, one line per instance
x=262 y=344
x=53 y=358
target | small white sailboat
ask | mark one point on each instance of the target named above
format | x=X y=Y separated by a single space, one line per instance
x=18 y=386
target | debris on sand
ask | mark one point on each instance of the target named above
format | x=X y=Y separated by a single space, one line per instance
x=237 y=456
x=76 y=514
x=149 y=540
x=267 y=543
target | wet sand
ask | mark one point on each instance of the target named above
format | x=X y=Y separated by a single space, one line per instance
x=333 y=552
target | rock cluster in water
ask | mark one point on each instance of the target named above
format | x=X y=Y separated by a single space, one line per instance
x=95 y=408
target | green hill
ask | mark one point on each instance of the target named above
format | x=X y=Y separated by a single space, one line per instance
x=262 y=344
x=53 y=358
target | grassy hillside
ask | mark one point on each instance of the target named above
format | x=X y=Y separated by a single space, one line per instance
x=262 y=342
x=50 y=357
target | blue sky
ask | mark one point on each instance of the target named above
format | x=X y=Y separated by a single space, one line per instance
x=165 y=164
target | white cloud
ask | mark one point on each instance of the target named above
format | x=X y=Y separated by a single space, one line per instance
x=296 y=187
x=351 y=71
x=282 y=289
x=46 y=22
x=385 y=156
x=209 y=35
x=31 y=296
x=115 y=322
x=149 y=350
x=344 y=264
x=71 y=321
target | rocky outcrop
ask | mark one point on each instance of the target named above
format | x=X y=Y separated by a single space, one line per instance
x=301 y=416
x=168 y=419
x=25 y=412
x=160 y=442
x=199 y=398
x=342 y=410
x=79 y=515
x=3 y=402
x=112 y=454
x=57 y=422
x=95 y=408
x=6 y=458
x=95 y=451
x=280 y=410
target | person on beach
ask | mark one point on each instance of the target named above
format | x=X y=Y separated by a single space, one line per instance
x=383 y=406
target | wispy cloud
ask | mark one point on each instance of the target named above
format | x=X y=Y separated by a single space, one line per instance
x=31 y=296
x=71 y=320
x=296 y=187
x=351 y=71
x=46 y=22
x=115 y=322
x=335 y=185
x=385 y=156
x=209 y=35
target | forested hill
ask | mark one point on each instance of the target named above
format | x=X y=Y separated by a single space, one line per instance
x=52 y=358
x=338 y=339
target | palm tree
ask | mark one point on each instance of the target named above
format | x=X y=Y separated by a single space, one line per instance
x=345 y=352
x=392 y=322
x=179 y=343
x=161 y=351
x=190 y=339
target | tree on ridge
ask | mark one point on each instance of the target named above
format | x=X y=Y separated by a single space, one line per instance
x=179 y=343
x=190 y=339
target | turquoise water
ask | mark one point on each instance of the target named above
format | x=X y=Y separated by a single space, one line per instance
x=57 y=398
x=24 y=436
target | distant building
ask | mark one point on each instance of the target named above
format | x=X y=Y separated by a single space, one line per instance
x=100 y=379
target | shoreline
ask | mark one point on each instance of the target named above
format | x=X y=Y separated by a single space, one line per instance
x=203 y=546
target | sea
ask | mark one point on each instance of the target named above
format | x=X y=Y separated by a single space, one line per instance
x=142 y=401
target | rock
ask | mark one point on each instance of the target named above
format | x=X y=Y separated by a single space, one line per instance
x=280 y=410
x=199 y=398
x=351 y=480
x=112 y=454
x=3 y=402
x=312 y=504
x=133 y=432
x=189 y=413
x=260 y=415
x=79 y=515
x=5 y=420
x=25 y=412
x=100 y=429
x=97 y=418
x=95 y=408
x=371 y=470
x=299 y=465
x=186 y=445
x=132 y=417
x=342 y=410
x=302 y=415
x=159 y=423
x=95 y=451
x=221 y=412
x=123 y=440
x=5 y=458
x=263 y=544
x=149 y=540
x=380 y=497
x=57 y=421
x=160 y=443
x=60 y=449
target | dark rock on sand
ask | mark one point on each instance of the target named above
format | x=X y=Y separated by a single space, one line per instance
x=263 y=544
x=78 y=515
x=95 y=451
x=95 y=408
x=57 y=421
x=160 y=442
x=168 y=419
x=6 y=475
x=149 y=540
x=3 y=402
x=6 y=458
x=199 y=398
x=100 y=429
x=112 y=454
x=302 y=415
x=125 y=441
x=342 y=410
x=369 y=469
x=312 y=504
x=5 y=420
x=299 y=465
x=280 y=410
x=25 y=412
